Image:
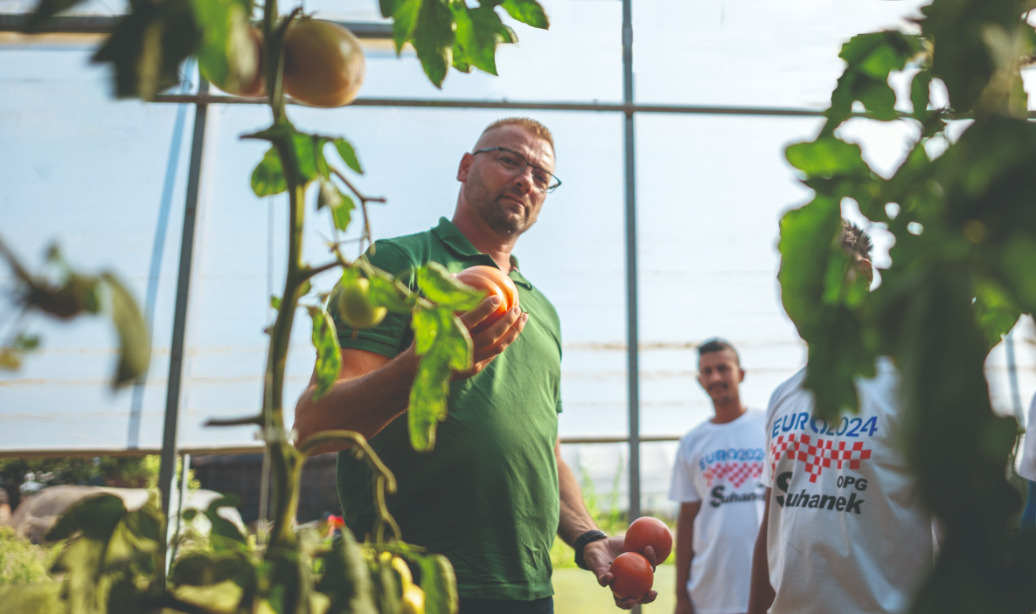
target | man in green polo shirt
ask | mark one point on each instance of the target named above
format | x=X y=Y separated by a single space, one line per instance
x=495 y=490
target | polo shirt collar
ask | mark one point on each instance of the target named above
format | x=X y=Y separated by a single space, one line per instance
x=456 y=242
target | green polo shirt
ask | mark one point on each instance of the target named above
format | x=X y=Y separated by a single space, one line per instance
x=487 y=495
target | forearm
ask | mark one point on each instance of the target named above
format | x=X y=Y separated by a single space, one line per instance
x=365 y=404
x=573 y=520
x=684 y=550
x=761 y=597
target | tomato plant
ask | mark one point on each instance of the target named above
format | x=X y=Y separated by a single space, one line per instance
x=323 y=63
x=319 y=64
x=647 y=531
x=632 y=576
x=493 y=282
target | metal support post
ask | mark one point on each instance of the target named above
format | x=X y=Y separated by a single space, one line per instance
x=632 y=337
x=172 y=403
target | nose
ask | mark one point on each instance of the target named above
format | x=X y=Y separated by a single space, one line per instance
x=523 y=180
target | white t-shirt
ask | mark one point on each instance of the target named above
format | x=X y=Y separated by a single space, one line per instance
x=847 y=530
x=1028 y=466
x=720 y=465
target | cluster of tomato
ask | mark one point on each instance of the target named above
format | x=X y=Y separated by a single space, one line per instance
x=632 y=574
x=356 y=309
x=323 y=65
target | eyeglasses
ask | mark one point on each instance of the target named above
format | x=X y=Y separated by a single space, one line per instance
x=515 y=164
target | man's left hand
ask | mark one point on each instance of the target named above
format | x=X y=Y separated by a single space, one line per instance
x=599 y=556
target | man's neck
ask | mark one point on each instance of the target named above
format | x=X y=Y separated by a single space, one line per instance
x=728 y=411
x=485 y=240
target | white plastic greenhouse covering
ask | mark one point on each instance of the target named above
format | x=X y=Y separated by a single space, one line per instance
x=106 y=180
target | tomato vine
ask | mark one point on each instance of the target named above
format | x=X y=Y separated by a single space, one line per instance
x=963 y=271
x=114 y=560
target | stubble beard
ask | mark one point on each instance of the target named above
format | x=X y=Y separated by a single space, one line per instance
x=499 y=219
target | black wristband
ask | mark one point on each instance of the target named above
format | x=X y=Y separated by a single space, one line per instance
x=582 y=541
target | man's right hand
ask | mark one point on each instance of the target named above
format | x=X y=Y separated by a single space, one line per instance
x=492 y=341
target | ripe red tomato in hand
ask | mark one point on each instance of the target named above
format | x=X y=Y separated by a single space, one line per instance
x=323 y=63
x=647 y=531
x=632 y=576
x=493 y=282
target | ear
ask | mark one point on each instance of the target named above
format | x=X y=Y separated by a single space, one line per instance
x=742 y=378
x=465 y=167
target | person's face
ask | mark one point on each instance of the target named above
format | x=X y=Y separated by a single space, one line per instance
x=508 y=204
x=720 y=374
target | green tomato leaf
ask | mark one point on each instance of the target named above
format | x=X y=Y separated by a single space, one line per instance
x=439 y=583
x=920 y=94
x=226 y=56
x=995 y=312
x=405 y=22
x=528 y=12
x=343 y=213
x=1018 y=263
x=478 y=33
x=444 y=346
x=385 y=587
x=433 y=39
x=438 y=286
x=390 y=293
x=96 y=516
x=134 y=339
x=206 y=568
x=388 y=7
x=425 y=324
x=268 y=176
x=329 y=354
x=806 y=237
x=225 y=534
x=828 y=156
x=346 y=580
x=454 y=341
x=148 y=46
x=348 y=154
x=306 y=148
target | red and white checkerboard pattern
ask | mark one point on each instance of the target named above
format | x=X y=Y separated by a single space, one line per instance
x=817 y=456
x=735 y=473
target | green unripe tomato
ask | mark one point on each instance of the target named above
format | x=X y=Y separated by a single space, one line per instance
x=354 y=305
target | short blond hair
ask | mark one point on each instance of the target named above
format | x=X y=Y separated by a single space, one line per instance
x=534 y=127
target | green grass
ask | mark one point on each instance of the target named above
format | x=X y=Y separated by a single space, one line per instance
x=21 y=561
x=577 y=592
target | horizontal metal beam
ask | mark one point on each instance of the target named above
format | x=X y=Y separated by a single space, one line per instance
x=507 y=104
x=101 y=24
x=258 y=448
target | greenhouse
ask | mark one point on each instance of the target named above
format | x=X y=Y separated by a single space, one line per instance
x=686 y=137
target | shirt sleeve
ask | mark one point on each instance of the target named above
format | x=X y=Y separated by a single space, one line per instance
x=393 y=334
x=681 y=487
x=1028 y=466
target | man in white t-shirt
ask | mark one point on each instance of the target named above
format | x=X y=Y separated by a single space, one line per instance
x=716 y=482
x=845 y=529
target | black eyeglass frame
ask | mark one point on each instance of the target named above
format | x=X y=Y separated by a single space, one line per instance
x=547 y=190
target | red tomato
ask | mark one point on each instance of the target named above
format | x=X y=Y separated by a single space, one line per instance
x=632 y=576
x=323 y=63
x=647 y=531
x=493 y=282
